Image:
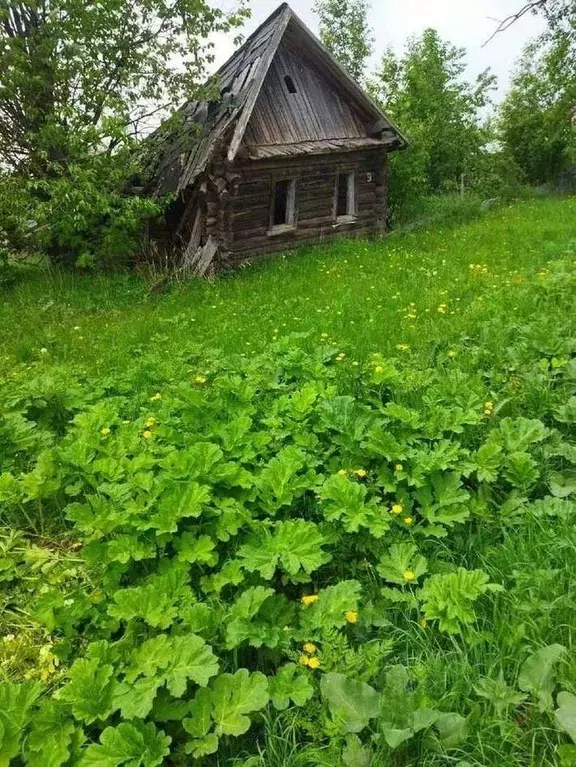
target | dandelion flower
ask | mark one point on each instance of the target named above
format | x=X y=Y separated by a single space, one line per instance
x=409 y=576
x=303 y=660
x=342 y=473
x=150 y=422
x=310 y=648
x=313 y=662
x=200 y=379
x=147 y=434
x=360 y=473
x=309 y=599
x=452 y=353
x=155 y=397
x=351 y=616
x=105 y=431
x=408 y=521
x=402 y=347
x=397 y=508
x=378 y=369
x=398 y=467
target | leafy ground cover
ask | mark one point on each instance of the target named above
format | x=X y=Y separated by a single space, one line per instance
x=317 y=513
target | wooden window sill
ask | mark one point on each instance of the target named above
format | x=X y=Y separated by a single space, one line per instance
x=344 y=221
x=281 y=229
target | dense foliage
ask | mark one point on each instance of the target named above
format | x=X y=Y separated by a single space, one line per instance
x=204 y=552
x=537 y=119
x=345 y=31
x=78 y=84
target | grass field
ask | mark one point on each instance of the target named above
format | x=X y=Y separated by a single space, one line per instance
x=318 y=512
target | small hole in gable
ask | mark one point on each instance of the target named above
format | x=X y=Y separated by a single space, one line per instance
x=290 y=84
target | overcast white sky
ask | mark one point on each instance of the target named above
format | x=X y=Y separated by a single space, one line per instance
x=466 y=23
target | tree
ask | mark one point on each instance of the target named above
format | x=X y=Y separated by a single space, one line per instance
x=345 y=31
x=423 y=90
x=537 y=118
x=78 y=83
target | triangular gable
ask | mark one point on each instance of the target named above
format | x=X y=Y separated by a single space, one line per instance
x=242 y=78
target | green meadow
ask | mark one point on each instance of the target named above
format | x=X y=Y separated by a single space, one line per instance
x=318 y=511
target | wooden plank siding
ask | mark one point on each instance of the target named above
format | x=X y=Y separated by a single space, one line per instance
x=314 y=113
x=315 y=195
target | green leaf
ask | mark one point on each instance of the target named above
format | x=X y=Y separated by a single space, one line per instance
x=449 y=597
x=289 y=684
x=330 y=609
x=242 y=620
x=203 y=746
x=452 y=729
x=125 y=548
x=196 y=549
x=444 y=500
x=136 y=700
x=352 y=703
x=565 y=714
x=402 y=558
x=200 y=720
x=345 y=501
x=538 y=674
x=195 y=462
x=174 y=660
x=355 y=754
x=295 y=546
x=157 y=601
x=394 y=736
x=279 y=483
x=488 y=460
x=189 y=658
x=16 y=700
x=521 y=470
x=130 y=745
x=519 y=433
x=48 y=744
x=90 y=690
x=233 y=697
x=181 y=501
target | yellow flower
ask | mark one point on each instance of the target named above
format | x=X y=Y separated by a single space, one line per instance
x=408 y=521
x=409 y=575
x=341 y=356
x=147 y=434
x=360 y=473
x=342 y=473
x=324 y=335
x=397 y=508
x=314 y=662
x=442 y=309
x=309 y=599
x=402 y=347
x=310 y=648
x=489 y=406
x=398 y=467
x=452 y=353
x=150 y=422
x=155 y=397
x=303 y=660
x=351 y=616
x=200 y=379
x=105 y=431
x=378 y=369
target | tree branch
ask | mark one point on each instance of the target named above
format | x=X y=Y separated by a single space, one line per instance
x=514 y=17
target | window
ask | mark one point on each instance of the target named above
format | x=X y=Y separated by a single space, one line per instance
x=284 y=203
x=290 y=84
x=345 y=197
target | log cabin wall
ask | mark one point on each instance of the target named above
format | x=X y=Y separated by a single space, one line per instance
x=315 y=216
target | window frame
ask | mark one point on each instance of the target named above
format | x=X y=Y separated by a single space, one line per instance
x=351 y=200
x=290 y=223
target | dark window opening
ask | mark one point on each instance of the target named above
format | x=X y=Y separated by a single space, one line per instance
x=345 y=201
x=290 y=84
x=284 y=197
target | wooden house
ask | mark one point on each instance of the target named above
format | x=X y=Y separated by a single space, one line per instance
x=293 y=152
